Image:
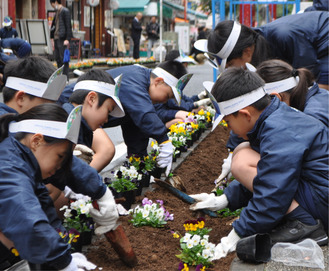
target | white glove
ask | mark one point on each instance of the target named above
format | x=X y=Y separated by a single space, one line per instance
x=79 y=263
x=227 y=244
x=68 y=193
x=209 y=201
x=165 y=157
x=107 y=215
x=84 y=153
x=202 y=102
x=226 y=168
x=202 y=95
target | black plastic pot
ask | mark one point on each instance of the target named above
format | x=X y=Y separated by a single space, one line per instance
x=130 y=197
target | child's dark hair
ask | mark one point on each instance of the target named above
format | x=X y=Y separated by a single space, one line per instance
x=79 y=96
x=34 y=68
x=53 y=1
x=247 y=38
x=235 y=82
x=175 y=68
x=172 y=55
x=276 y=70
x=47 y=111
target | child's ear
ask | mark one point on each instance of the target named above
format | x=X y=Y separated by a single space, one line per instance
x=158 y=80
x=36 y=141
x=246 y=113
x=91 y=98
x=20 y=98
x=247 y=53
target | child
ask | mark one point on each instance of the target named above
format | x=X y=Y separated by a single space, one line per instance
x=38 y=145
x=294 y=87
x=140 y=89
x=25 y=87
x=95 y=90
x=299 y=39
x=170 y=112
x=304 y=95
x=26 y=84
x=291 y=182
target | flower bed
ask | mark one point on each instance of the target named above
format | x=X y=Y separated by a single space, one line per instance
x=156 y=249
x=89 y=63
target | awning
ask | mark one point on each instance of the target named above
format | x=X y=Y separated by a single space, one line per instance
x=128 y=7
x=188 y=10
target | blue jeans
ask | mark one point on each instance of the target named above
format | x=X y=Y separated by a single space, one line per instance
x=150 y=45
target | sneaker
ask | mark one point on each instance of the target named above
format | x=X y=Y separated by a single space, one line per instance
x=294 y=231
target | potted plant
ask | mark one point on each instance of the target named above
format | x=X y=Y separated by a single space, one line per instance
x=125 y=182
x=76 y=216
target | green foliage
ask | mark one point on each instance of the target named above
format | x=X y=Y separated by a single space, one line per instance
x=122 y=185
x=226 y=212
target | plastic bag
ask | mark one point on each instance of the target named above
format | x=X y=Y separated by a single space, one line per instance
x=66 y=58
x=306 y=253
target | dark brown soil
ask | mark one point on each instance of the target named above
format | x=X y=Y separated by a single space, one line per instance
x=155 y=248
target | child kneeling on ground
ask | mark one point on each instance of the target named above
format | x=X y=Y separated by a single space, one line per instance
x=291 y=186
x=35 y=145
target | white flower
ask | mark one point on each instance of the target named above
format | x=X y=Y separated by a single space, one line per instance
x=206 y=253
x=186 y=237
x=190 y=243
x=204 y=242
x=67 y=213
x=145 y=213
x=196 y=239
x=84 y=210
x=139 y=177
x=206 y=237
x=210 y=246
x=147 y=207
x=159 y=213
x=63 y=208
x=154 y=206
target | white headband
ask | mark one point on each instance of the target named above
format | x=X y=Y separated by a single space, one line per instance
x=235 y=104
x=167 y=77
x=107 y=89
x=93 y=85
x=65 y=130
x=282 y=85
x=50 y=90
x=231 y=41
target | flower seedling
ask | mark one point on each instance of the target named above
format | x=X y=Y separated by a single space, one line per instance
x=195 y=250
x=125 y=179
x=76 y=216
x=150 y=214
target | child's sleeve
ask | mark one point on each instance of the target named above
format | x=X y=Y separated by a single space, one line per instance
x=23 y=219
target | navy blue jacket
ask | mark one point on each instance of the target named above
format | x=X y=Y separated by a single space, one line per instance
x=301 y=40
x=316 y=105
x=82 y=179
x=8 y=33
x=85 y=134
x=294 y=149
x=5 y=109
x=168 y=110
x=27 y=214
x=21 y=47
x=141 y=121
